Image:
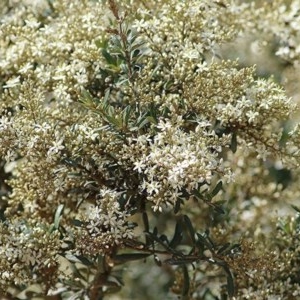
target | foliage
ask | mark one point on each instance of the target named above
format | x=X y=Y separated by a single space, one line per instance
x=138 y=153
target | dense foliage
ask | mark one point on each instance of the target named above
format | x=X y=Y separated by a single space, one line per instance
x=140 y=159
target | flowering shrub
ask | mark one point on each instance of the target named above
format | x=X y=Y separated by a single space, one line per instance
x=139 y=158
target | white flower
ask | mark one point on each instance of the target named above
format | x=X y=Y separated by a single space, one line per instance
x=252 y=116
x=57 y=147
x=139 y=166
x=191 y=54
x=5 y=123
x=15 y=81
x=243 y=102
x=152 y=187
x=10 y=156
x=32 y=24
x=25 y=68
x=140 y=24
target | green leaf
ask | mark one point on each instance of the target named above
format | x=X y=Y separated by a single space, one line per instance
x=109 y=58
x=186 y=282
x=77 y=223
x=142 y=121
x=147 y=228
x=101 y=43
x=233 y=144
x=155 y=238
x=123 y=258
x=218 y=208
x=146 y=221
x=84 y=260
x=202 y=241
x=78 y=259
x=177 y=238
x=217 y=189
x=58 y=215
x=181 y=259
x=126 y=115
x=157 y=260
x=69 y=162
x=296 y=208
x=223 y=248
x=190 y=227
x=177 y=205
x=230 y=281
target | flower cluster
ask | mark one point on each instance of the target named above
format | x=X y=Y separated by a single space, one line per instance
x=29 y=253
x=105 y=225
x=176 y=160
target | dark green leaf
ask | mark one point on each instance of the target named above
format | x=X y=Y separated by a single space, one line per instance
x=147 y=228
x=177 y=235
x=217 y=189
x=230 y=281
x=155 y=238
x=164 y=238
x=157 y=260
x=296 y=208
x=202 y=241
x=109 y=58
x=223 y=248
x=177 y=206
x=218 y=209
x=186 y=281
x=78 y=259
x=123 y=258
x=77 y=223
x=146 y=221
x=70 y=162
x=233 y=145
x=180 y=260
x=190 y=227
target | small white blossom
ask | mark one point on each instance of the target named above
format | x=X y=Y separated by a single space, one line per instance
x=12 y=82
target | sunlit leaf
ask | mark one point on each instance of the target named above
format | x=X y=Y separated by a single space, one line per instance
x=58 y=215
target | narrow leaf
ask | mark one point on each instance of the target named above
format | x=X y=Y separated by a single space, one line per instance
x=230 y=281
x=177 y=206
x=223 y=248
x=233 y=145
x=296 y=208
x=190 y=227
x=57 y=216
x=186 y=281
x=123 y=258
x=177 y=235
x=77 y=223
x=146 y=221
x=217 y=189
x=204 y=242
x=78 y=259
x=126 y=115
x=157 y=260
x=159 y=241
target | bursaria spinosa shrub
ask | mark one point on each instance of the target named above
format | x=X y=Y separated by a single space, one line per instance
x=138 y=161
